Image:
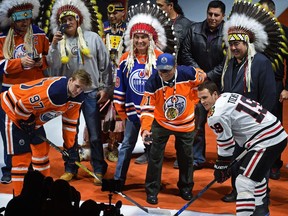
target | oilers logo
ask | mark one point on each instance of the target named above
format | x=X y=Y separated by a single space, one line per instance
x=45 y=117
x=137 y=81
x=19 y=51
x=180 y=103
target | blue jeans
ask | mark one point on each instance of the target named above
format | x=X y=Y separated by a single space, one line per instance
x=93 y=122
x=128 y=144
x=199 y=144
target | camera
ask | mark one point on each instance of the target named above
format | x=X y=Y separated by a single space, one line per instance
x=111 y=210
x=111 y=185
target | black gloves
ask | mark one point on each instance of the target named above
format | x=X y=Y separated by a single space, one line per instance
x=28 y=125
x=221 y=170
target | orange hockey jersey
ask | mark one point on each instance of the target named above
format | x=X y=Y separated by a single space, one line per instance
x=46 y=99
x=12 y=70
x=154 y=105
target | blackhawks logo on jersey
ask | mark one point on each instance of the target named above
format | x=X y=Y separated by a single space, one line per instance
x=211 y=111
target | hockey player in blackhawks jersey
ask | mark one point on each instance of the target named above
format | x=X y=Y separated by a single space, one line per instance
x=237 y=120
x=27 y=107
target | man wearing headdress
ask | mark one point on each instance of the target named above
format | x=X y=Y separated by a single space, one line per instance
x=281 y=90
x=76 y=47
x=181 y=24
x=114 y=29
x=23 y=50
x=144 y=39
x=248 y=70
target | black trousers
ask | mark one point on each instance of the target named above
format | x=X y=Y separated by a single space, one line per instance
x=184 y=153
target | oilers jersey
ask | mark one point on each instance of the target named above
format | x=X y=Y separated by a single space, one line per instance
x=12 y=70
x=46 y=99
x=130 y=86
x=158 y=99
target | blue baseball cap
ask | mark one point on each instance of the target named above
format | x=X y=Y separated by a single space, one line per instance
x=165 y=61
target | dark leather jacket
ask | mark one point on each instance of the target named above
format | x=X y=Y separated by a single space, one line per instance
x=196 y=52
x=181 y=26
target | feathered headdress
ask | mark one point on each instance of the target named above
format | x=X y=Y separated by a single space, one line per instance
x=85 y=12
x=149 y=19
x=261 y=30
x=16 y=10
x=44 y=18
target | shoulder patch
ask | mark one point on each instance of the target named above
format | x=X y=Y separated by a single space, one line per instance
x=211 y=111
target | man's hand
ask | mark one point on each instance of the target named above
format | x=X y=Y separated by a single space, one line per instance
x=28 y=125
x=146 y=137
x=283 y=95
x=102 y=97
x=221 y=170
x=202 y=74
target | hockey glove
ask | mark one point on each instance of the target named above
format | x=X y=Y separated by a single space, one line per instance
x=221 y=170
x=28 y=125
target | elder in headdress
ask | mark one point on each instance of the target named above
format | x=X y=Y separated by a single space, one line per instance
x=259 y=30
x=148 y=33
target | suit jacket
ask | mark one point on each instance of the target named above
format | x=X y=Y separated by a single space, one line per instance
x=263 y=85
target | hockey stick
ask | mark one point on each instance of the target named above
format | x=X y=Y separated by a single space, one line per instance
x=63 y=152
x=102 y=107
x=66 y=154
x=149 y=211
x=132 y=201
x=208 y=186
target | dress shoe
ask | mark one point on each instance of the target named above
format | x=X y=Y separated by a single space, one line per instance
x=198 y=166
x=231 y=197
x=275 y=174
x=98 y=180
x=152 y=199
x=143 y=159
x=186 y=195
x=67 y=176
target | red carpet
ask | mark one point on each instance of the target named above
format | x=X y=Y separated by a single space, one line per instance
x=168 y=198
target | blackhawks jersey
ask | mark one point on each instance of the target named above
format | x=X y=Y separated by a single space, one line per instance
x=12 y=70
x=154 y=104
x=46 y=99
x=129 y=87
x=237 y=119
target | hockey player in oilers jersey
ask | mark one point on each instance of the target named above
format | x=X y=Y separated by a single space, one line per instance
x=27 y=107
x=237 y=120
x=23 y=50
x=167 y=108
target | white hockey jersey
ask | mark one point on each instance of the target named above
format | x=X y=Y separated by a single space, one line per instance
x=236 y=119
